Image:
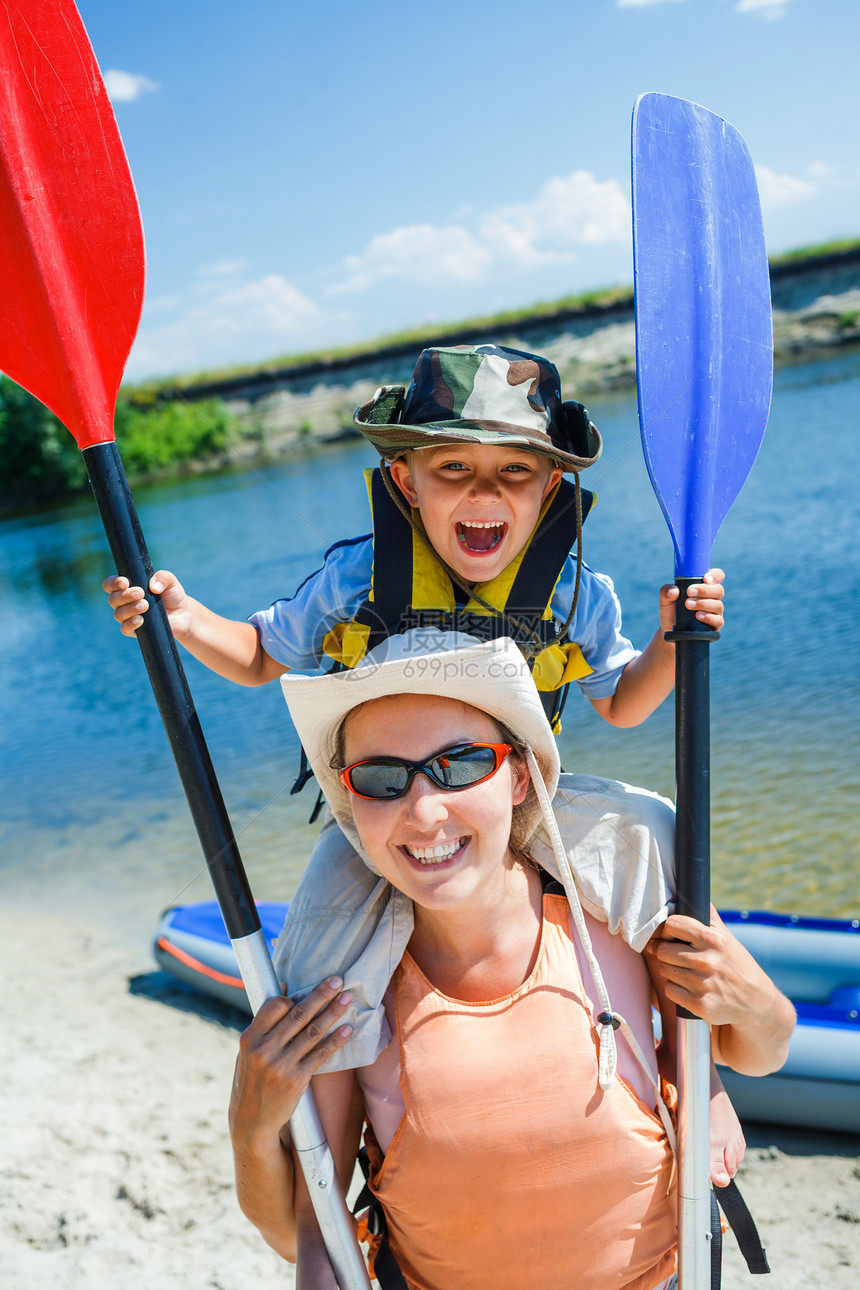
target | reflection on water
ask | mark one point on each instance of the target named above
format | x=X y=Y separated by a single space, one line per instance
x=92 y=814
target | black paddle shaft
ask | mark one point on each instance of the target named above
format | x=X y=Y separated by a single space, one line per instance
x=172 y=694
x=692 y=761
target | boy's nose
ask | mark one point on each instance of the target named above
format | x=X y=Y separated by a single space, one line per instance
x=485 y=486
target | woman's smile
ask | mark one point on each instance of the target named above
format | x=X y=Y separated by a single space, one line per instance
x=439 y=854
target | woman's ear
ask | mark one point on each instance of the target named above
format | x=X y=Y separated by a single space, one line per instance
x=402 y=477
x=521 y=779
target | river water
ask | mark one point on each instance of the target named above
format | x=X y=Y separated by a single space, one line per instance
x=93 y=820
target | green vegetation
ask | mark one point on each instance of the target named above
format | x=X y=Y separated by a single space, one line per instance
x=162 y=436
x=40 y=461
x=813 y=252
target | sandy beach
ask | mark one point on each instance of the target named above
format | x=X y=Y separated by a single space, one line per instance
x=116 y=1167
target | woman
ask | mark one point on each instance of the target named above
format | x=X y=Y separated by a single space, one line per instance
x=517 y=1135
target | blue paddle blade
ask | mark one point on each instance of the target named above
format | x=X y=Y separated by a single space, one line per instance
x=704 y=338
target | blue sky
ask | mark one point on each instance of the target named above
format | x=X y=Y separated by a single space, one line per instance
x=321 y=173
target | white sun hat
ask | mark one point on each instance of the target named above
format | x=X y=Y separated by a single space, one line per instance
x=490 y=675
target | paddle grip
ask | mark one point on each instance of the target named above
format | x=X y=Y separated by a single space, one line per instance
x=687 y=625
x=692 y=762
x=173 y=696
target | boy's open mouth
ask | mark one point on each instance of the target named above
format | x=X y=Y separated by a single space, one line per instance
x=479 y=538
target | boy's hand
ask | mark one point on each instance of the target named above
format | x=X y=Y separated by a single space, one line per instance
x=129 y=605
x=728 y=1144
x=706 y=597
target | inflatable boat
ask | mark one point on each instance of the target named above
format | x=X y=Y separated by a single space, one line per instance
x=192 y=945
x=815 y=961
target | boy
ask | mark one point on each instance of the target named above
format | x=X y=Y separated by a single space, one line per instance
x=473 y=529
x=479 y=506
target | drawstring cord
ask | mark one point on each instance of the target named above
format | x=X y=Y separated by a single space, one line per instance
x=608 y=1021
x=537 y=647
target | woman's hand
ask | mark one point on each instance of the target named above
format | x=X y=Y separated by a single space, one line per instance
x=278 y=1053
x=283 y=1047
x=707 y=971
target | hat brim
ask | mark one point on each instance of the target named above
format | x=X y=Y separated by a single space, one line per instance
x=492 y=676
x=392 y=440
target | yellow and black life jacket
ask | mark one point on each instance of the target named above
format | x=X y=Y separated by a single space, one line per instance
x=411 y=588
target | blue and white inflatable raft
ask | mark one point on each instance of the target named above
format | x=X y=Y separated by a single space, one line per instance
x=192 y=945
x=815 y=961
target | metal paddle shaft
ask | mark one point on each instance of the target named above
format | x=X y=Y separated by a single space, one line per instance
x=704 y=356
x=71 y=291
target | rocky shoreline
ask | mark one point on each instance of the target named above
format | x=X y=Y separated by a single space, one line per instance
x=289 y=410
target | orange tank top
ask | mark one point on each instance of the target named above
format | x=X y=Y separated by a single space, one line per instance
x=511 y=1168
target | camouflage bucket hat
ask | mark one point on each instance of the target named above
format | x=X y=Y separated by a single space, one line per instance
x=481 y=394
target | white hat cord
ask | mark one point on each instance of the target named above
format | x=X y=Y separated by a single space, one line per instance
x=608 y=1021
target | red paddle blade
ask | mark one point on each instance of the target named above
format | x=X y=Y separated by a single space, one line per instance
x=71 y=241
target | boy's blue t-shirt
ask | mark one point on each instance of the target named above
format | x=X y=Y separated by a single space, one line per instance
x=292 y=630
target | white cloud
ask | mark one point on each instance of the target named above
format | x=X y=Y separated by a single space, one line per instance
x=125 y=87
x=764 y=8
x=222 y=269
x=251 y=319
x=270 y=302
x=576 y=209
x=566 y=213
x=421 y=252
x=821 y=170
x=781 y=190
x=769 y=9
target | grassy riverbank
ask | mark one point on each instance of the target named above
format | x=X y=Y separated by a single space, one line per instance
x=183 y=425
x=593 y=302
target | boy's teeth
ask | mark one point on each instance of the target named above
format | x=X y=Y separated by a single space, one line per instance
x=432 y=855
x=479 y=536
